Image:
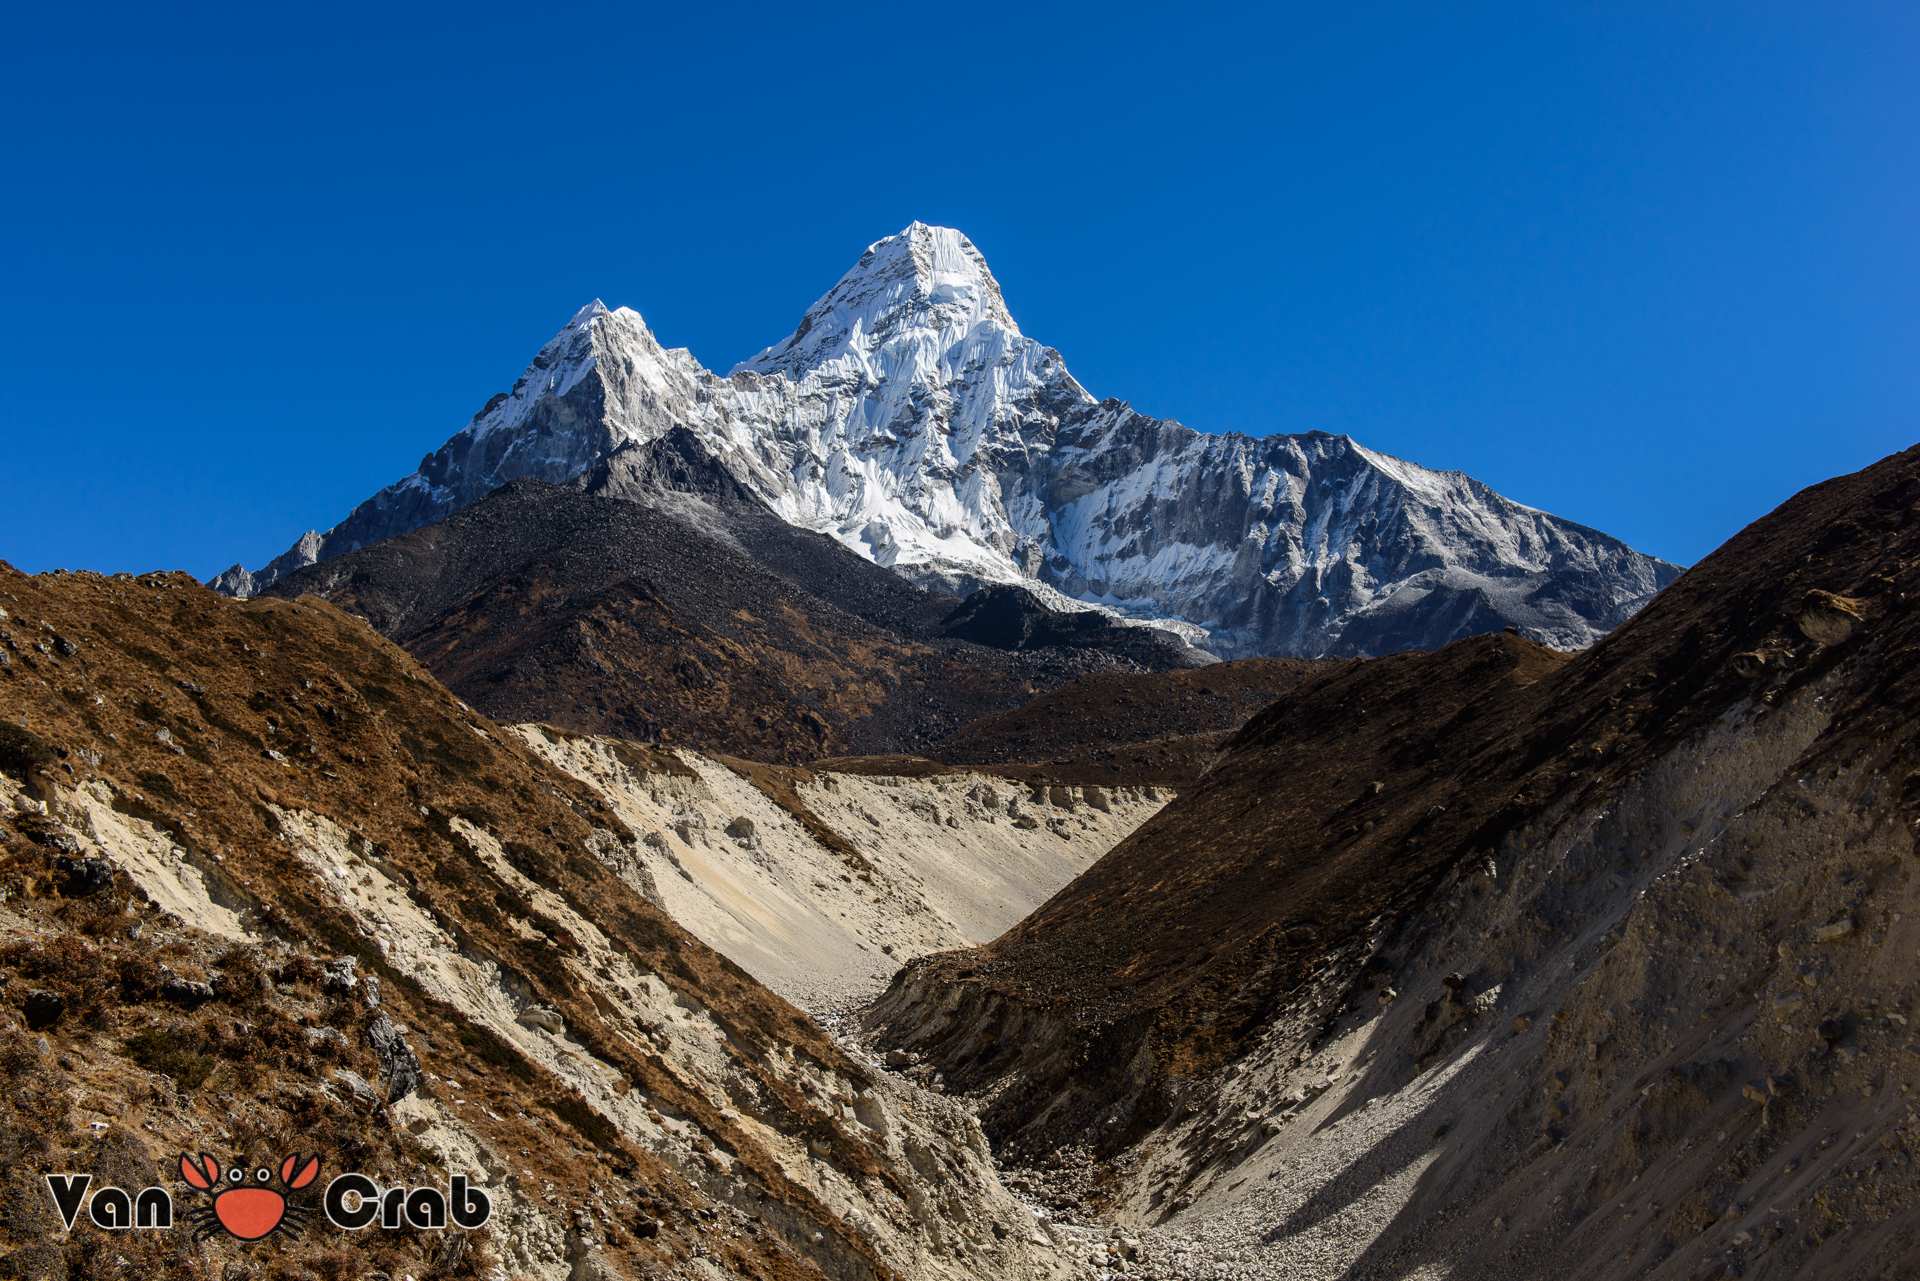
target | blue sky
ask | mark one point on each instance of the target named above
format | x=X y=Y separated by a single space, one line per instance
x=1649 y=266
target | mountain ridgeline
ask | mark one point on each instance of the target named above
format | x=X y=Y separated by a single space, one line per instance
x=908 y=419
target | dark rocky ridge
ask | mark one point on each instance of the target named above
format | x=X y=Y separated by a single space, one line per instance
x=666 y=601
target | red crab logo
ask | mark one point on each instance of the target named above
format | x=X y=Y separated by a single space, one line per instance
x=248 y=1210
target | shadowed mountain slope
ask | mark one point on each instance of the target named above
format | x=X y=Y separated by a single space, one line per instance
x=704 y=619
x=1636 y=857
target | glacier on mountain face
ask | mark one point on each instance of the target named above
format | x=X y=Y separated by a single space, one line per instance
x=909 y=418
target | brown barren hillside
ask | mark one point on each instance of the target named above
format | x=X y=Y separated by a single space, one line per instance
x=1325 y=809
x=267 y=887
x=1646 y=877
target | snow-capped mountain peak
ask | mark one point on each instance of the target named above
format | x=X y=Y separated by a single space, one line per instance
x=908 y=417
x=927 y=282
x=591 y=311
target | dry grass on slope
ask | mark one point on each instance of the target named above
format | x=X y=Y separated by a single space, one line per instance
x=213 y=721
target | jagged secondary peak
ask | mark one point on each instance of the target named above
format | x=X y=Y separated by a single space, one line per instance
x=600 y=383
x=1313 y=545
x=925 y=278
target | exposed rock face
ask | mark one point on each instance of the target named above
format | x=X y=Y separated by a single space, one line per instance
x=1313 y=545
x=348 y=913
x=909 y=418
x=1506 y=962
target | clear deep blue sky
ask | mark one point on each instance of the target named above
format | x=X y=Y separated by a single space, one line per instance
x=1650 y=266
